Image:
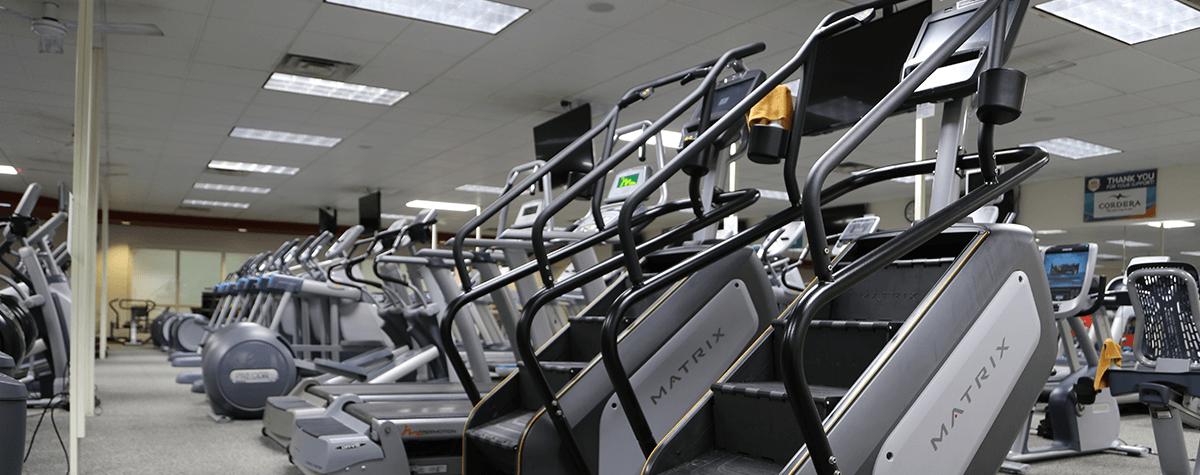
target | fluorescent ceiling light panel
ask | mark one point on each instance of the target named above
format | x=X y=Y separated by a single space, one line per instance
x=495 y=190
x=333 y=89
x=283 y=137
x=1191 y=253
x=1073 y=149
x=216 y=204
x=443 y=205
x=1107 y=257
x=234 y=188
x=251 y=167
x=1051 y=231
x=479 y=15
x=5 y=205
x=397 y=217
x=1131 y=22
x=1124 y=243
x=1170 y=224
x=8 y=170
x=670 y=137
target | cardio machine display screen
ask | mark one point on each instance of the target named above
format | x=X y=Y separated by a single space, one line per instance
x=726 y=97
x=1066 y=271
x=529 y=211
x=628 y=180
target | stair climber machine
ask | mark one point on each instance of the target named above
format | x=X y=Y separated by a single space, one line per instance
x=310 y=397
x=37 y=301
x=426 y=437
x=1166 y=369
x=913 y=351
x=245 y=362
x=1080 y=419
x=559 y=413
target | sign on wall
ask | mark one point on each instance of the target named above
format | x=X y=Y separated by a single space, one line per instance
x=1127 y=195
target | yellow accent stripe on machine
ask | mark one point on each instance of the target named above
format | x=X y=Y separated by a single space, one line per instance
x=886 y=355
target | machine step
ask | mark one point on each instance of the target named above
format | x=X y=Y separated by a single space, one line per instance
x=720 y=462
x=501 y=439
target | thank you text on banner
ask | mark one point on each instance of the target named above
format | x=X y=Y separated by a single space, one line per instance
x=1127 y=195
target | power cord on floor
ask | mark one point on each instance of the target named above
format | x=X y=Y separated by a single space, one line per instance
x=50 y=406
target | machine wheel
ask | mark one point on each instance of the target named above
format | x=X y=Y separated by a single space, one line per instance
x=244 y=364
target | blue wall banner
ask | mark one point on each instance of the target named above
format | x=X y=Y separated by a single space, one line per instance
x=1127 y=195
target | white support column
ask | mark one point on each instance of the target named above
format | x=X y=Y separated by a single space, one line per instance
x=93 y=165
x=102 y=305
x=83 y=238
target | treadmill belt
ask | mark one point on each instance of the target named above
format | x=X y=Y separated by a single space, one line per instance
x=383 y=410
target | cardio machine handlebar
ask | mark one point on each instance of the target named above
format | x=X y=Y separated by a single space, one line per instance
x=633 y=95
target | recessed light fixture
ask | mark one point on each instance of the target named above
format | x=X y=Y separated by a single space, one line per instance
x=251 y=167
x=1129 y=22
x=5 y=205
x=495 y=190
x=125 y=223
x=283 y=137
x=601 y=7
x=1125 y=243
x=234 y=188
x=1051 y=231
x=670 y=137
x=1190 y=253
x=1107 y=257
x=479 y=15
x=216 y=204
x=8 y=170
x=334 y=89
x=1072 y=148
x=1170 y=224
x=397 y=217
x=443 y=205
x=242 y=230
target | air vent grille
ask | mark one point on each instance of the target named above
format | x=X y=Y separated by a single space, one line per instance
x=316 y=67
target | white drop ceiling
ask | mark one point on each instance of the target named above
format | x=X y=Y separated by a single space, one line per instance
x=171 y=101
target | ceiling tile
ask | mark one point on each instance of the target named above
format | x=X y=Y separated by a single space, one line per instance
x=280 y=13
x=356 y=24
x=1129 y=70
x=334 y=47
x=678 y=23
x=440 y=39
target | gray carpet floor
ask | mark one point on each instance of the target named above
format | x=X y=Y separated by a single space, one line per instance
x=149 y=424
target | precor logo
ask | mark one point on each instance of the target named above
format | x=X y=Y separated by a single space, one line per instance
x=264 y=375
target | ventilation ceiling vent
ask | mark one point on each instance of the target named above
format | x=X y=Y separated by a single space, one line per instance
x=316 y=67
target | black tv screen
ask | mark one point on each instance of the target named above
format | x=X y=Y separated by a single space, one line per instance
x=327 y=220
x=554 y=135
x=855 y=69
x=368 y=213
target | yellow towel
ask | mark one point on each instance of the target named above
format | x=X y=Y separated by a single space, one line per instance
x=1110 y=357
x=777 y=105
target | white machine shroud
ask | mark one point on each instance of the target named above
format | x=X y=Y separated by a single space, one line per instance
x=945 y=426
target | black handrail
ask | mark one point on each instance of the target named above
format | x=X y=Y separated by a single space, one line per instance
x=822 y=292
x=737 y=201
x=814 y=226
x=608 y=339
x=446 y=326
x=630 y=97
x=529 y=268
x=735 y=114
x=625 y=151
